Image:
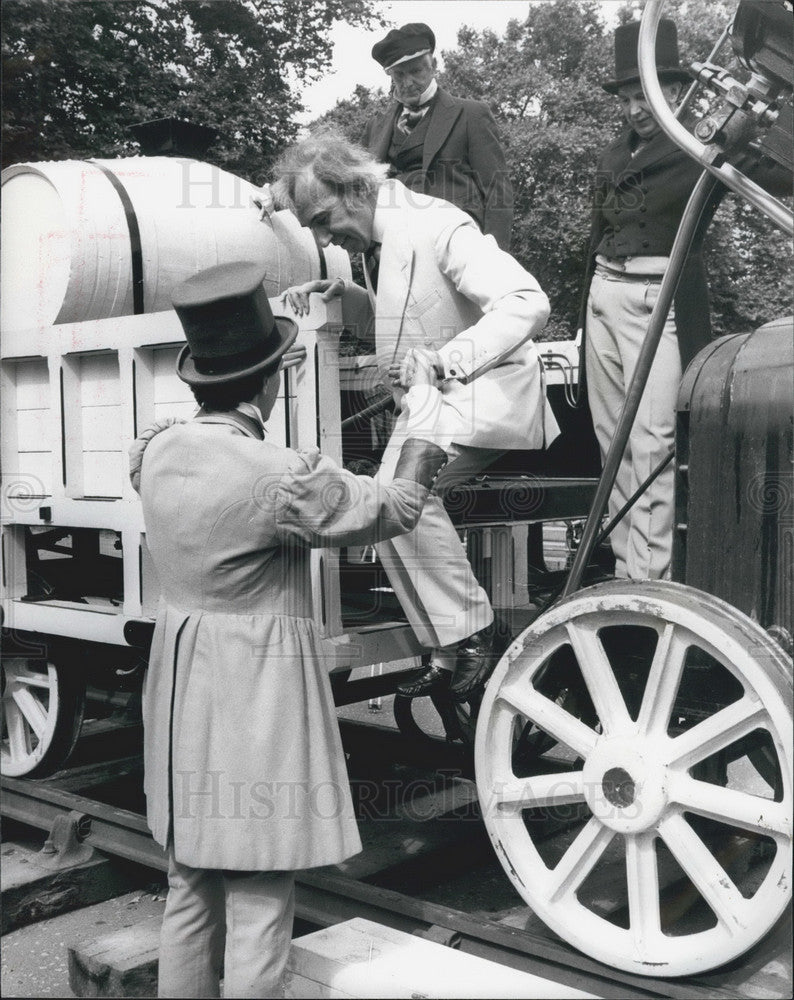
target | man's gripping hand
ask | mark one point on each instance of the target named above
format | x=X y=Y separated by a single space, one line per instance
x=298 y=295
x=418 y=367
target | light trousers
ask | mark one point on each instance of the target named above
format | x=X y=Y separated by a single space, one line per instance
x=235 y=925
x=618 y=311
x=427 y=567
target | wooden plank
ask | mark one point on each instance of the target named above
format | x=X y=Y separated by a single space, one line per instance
x=121 y=964
x=33 y=892
x=361 y=958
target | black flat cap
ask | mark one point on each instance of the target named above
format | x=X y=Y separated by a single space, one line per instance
x=402 y=44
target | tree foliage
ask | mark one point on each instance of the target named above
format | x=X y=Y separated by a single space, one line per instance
x=77 y=73
x=542 y=79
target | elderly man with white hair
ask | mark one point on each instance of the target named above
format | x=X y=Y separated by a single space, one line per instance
x=444 y=295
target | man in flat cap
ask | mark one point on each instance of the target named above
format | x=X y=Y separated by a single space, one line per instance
x=436 y=143
x=245 y=778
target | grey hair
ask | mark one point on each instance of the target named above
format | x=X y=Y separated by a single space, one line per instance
x=327 y=157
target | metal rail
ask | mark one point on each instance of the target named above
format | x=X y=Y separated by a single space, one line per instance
x=324 y=898
x=728 y=174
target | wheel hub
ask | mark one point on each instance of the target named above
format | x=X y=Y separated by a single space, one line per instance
x=625 y=785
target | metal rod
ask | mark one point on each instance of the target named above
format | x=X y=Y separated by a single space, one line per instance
x=689 y=223
x=634 y=498
x=370 y=411
x=729 y=175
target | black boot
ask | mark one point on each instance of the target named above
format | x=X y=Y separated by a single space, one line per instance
x=429 y=680
x=475 y=663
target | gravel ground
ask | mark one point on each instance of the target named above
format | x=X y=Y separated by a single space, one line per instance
x=34 y=958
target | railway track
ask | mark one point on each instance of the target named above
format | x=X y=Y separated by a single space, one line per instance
x=427 y=866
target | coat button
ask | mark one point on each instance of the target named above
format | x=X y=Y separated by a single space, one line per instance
x=617 y=229
x=643 y=208
x=642 y=225
x=646 y=243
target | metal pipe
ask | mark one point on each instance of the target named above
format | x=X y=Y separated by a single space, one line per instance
x=369 y=411
x=729 y=175
x=635 y=496
x=690 y=220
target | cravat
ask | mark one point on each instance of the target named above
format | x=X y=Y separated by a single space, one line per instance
x=409 y=119
x=372 y=261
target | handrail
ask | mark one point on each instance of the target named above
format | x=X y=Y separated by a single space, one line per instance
x=728 y=174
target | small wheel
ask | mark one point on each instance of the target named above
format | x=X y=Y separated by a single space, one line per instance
x=676 y=780
x=43 y=705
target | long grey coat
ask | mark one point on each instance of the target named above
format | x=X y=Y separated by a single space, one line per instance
x=243 y=762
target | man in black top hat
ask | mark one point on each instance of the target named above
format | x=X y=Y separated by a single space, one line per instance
x=245 y=777
x=441 y=145
x=643 y=182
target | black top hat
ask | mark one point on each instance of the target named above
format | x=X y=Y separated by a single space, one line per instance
x=230 y=329
x=668 y=66
x=402 y=44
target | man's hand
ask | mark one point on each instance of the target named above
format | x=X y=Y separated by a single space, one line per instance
x=418 y=367
x=298 y=295
x=263 y=200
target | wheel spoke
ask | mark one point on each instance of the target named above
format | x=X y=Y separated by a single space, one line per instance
x=642 y=878
x=540 y=790
x=550 y=717
x=704 y=871
x=716 y=732
x=731 y=806
x=599 y=677
x=33 y=710
x=18 y=731
x=32 y=679
x=578 y=861
x=664 y=678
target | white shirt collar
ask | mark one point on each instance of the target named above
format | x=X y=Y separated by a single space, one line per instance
x=427 y=94
x=249 y=410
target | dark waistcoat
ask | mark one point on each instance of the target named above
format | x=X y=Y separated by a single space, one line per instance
x=406 y=152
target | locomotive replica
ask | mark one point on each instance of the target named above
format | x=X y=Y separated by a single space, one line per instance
x=650 y=721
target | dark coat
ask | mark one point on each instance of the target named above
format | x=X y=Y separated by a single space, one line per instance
x=462 y=160
x=637 y=208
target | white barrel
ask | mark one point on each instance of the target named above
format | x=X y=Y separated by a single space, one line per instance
x=71 y=229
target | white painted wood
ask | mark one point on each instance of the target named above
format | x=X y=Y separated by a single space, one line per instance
x=361 y=958
x=66 y=243
x=28 y=431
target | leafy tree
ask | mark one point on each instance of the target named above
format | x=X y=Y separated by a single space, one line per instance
x=77 y=73
x=542 y=79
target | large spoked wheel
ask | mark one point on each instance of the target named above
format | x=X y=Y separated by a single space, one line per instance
x=43 y=705
x=672 y=784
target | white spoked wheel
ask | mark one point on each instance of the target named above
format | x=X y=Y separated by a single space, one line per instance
x=42 y=713
x=655 y=832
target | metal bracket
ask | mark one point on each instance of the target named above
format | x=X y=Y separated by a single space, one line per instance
x=64 y=847
x=440 y=935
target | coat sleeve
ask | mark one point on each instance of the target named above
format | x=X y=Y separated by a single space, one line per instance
x=488 y=164
x=513 y=305
x=325 y=505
